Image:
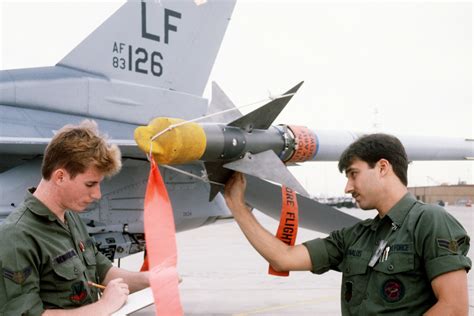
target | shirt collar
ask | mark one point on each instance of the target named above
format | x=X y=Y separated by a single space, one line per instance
x=400 y=210
x=37 y=207
x=397 y=213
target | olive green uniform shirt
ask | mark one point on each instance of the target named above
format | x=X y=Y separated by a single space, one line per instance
x=45 y=263
x=427 y=242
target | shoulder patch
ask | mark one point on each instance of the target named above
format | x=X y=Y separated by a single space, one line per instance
x=19 y=277
x=451 y=245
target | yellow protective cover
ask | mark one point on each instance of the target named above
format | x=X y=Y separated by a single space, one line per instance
x=181 y=144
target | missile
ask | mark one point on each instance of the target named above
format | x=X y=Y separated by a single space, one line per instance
x=252 y=145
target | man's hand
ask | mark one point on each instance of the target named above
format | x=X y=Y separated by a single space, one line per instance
x=234 y=193
x=115 y=295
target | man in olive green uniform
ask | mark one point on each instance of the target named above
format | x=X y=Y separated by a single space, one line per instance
x=47 y=258
x=409 y=260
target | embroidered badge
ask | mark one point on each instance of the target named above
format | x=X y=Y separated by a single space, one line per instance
x=348 y=292
x=393 y=290
x=451 y=245
x=19 y=277
x=79 y=292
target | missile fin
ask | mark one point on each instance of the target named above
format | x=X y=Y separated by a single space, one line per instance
x=263 y=117
x=266 y=197
x=221 y=102
x=266 y=165
x=216 y=173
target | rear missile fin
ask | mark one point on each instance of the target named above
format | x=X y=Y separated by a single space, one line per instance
x=266 y=165
x=266 y=197
x=263 y=117
x=221 y=102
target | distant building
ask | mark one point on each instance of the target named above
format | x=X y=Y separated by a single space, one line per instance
x=451 y=194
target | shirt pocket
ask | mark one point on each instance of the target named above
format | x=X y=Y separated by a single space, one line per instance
x=69 y=270
x=396 y=279
x=398 y=262
x=354 y=280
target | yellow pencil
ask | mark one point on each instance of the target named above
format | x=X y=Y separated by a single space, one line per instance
x=96 y=285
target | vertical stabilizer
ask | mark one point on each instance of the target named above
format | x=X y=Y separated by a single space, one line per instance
x=168 y=44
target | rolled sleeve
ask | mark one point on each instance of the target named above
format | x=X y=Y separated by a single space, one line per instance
x=326 y=253
x=318 y=254
x=443 y=242
x=444 y=264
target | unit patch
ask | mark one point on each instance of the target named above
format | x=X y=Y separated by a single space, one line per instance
x=451 y=245
x=19 y=277
x=79 y=292
x=393 y=290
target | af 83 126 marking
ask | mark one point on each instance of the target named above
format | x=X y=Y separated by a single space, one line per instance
x=139 y=59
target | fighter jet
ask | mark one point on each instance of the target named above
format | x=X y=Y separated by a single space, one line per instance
x=150 y=62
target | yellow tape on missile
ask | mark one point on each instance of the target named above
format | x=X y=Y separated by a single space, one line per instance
x=181 y=144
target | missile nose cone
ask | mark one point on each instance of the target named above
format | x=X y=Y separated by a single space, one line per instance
x=180 y=144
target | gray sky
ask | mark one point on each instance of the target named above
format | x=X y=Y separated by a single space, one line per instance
x=402 y=67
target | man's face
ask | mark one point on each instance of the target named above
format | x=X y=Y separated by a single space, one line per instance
x=363 y=183
x=77 y=193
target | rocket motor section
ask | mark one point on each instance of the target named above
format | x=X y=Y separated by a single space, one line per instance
x=228 y=143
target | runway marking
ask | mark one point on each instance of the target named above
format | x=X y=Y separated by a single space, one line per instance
x=279 y=307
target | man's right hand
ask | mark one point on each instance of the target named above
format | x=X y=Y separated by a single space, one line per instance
x=115 y=295
x=234 y=193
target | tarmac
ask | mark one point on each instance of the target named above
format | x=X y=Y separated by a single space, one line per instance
x=223 y=275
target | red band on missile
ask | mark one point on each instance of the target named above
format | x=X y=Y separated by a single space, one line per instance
x=288 y=228
x=306 y=144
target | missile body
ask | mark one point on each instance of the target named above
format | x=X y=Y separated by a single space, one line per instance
x=219 y=142
x=214 y=142
x=252 y=145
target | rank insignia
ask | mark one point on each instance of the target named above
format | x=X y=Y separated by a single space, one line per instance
x=79 y=292
x=393 y=290
x=451 y=245
x=19 y=277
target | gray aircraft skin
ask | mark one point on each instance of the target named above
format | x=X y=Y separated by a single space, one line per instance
x=153 y=59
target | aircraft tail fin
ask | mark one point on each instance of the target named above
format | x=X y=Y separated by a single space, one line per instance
x=167 y=44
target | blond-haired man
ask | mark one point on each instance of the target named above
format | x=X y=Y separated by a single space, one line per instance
x=47 y=257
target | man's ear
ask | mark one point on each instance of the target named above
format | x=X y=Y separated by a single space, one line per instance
x=58 y=176
x=384 y=166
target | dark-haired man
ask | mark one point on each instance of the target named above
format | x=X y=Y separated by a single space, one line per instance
x=409 y=260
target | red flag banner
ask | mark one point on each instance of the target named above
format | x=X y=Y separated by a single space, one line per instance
x=160 y=236
x=288 y=228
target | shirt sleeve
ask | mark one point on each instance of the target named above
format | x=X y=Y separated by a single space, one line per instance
x=326 y=253
x=442 y=241
x=19 y=279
